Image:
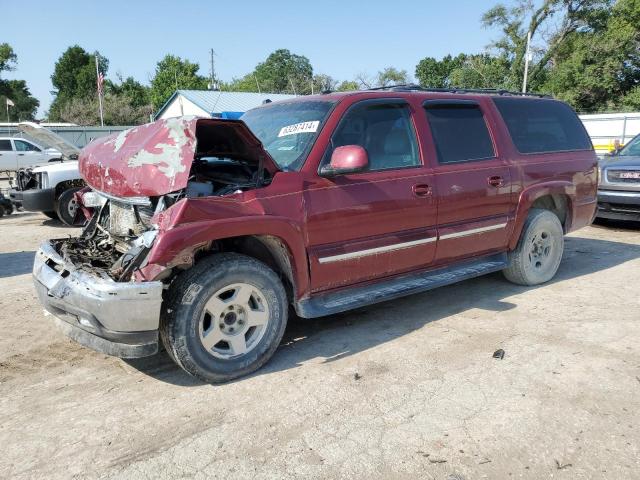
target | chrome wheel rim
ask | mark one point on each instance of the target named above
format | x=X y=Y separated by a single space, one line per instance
x=540 y=250
x=233 y=321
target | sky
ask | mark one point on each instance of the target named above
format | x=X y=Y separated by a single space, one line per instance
x=340 y=38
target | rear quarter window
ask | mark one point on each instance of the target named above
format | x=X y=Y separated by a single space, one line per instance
x=541 y=126
x=5 y=146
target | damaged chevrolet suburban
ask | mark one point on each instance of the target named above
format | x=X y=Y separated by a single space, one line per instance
x=202 y=233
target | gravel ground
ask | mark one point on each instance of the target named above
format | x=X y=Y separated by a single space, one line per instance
x=406 y=389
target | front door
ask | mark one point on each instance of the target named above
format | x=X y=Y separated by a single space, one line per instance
x=378 y=222
x=472 y=179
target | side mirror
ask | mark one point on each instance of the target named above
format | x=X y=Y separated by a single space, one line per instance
x=346 y=159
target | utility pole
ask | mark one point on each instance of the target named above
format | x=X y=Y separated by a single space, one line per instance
x=293 y=87
x=212 y=85
x=527 y=56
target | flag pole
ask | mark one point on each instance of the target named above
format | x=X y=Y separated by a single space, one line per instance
x=99 y=92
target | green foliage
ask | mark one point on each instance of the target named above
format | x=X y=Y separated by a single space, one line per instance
x=348 y=86
x=8 y=58
x=281 y=72
x=557 y=19
x=437 y=73
x=173 y=73
x=137 y=94
x=117 y=110
x=598 y=68
x=25 y=105
x=391 y=76
x=74 y=76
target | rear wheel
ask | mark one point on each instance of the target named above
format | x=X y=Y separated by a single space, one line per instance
x=67 y=206
x=537 y=257
x=225 y=317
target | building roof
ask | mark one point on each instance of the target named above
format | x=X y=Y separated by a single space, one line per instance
x=216 y=102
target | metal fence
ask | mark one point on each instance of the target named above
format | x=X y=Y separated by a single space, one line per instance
x=78 y=136
x=608 y=129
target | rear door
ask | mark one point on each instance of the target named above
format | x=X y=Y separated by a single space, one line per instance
x=472 y=179
x=8 y=160
x=379 y=222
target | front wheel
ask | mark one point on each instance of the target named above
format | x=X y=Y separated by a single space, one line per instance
x=67 y=206
x=537 y=257
x=225 y=317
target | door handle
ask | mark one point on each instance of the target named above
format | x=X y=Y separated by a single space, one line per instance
x=21 y=154
x=495 y=181
x=421 y=190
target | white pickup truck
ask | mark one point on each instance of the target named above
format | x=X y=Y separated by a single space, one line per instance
x=17 y=153
x=51 y=188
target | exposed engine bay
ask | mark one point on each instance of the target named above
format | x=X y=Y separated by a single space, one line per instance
x=119 y=234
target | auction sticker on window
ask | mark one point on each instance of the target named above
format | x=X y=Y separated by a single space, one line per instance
x=303 y=127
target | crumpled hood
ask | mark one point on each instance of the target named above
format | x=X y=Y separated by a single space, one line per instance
x=155 y=158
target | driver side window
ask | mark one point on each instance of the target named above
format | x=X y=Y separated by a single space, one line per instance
x=384 y=130
x=22 y=146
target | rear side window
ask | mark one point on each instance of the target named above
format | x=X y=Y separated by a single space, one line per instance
x=5 y=146
x=539 y=126
x=459 y=131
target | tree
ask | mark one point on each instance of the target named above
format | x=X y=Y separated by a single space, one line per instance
x=552 y=21
x=138 y=94
x=384 y=78
x=598 y=68
x=348 y=86
x=437 y=73
x=173 y=73
x=74 y=76
x=391 y=76
x=24 y=104
x=8 y=58
x=323 y=83
x=117 y=110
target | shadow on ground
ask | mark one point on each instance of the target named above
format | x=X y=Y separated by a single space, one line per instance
x=16 y=263
x=338 y=336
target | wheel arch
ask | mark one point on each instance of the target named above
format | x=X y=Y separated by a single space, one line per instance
x=64 y=185
x=279 y=244
x=554 y=196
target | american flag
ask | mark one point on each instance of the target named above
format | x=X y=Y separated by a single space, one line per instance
x=100 y=83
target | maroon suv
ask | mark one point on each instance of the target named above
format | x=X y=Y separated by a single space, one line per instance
x=201 y=233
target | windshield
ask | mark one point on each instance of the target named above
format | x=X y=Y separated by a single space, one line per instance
x=632 y=148
x=287 y=130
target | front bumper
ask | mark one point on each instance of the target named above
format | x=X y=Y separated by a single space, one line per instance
x=115 y=318
x=618 y=205
x=35 y=199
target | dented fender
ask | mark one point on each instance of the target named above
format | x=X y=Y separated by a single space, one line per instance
x=179 y=238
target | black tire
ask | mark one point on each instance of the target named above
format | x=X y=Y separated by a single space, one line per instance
x=1 y=211
x=539 y=252
x=184 y=318
x=66 y=207
x=51 y=215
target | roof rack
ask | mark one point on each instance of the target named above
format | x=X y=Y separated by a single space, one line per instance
x=409 y=87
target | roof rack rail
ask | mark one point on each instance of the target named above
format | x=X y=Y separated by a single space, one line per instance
x=408 y=87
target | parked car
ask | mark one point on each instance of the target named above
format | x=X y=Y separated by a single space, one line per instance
x=619 y=187
x=17 y=153
x=206 y=231
x=49 y=189
x=6 y=207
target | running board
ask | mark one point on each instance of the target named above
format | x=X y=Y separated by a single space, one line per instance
x=356 y=297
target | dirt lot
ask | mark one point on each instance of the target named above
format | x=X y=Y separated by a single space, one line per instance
x=406 y=389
